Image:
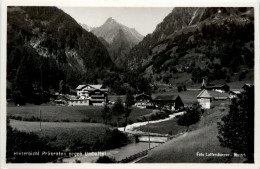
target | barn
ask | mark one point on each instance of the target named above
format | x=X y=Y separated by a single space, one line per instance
x=172 y=102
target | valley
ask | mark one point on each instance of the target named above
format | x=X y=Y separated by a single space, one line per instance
x=75 y=88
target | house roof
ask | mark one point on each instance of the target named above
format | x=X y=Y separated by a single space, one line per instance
x=218 y=95
x=141 y=96
x=204 y=94
x=222 y=85
x=138 y=95
x=96 y=86
x=247 y=85
x=100 y=90
x=80 y=87
x=235 y=92
x=164 y=97
x=216 y=86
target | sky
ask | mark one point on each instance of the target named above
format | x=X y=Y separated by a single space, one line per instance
x=143 y=19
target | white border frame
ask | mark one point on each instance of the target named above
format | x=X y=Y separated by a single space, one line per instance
x=121 y=3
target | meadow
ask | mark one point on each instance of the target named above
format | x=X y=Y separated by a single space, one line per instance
x=64 y=133
x=202 y=138
x=52 y=113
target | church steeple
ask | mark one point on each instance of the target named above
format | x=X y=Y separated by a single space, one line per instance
x=203 y=83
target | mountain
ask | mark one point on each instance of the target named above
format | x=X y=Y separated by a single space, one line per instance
x=119 y=37
x=86 y=27
x=46 y=46
x=215 y=42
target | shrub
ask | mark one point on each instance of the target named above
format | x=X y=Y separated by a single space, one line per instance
x=130 y=122
x=25 y=142
x=87 y=119
x=15 y=117
x=32 y=118
x=18 y=98
x=105 y=159
x=93 y=121
x=139 y=120
x=178 y=116
x=113 y=139
x=153 y=117
x=144 y=118
x=65 y=120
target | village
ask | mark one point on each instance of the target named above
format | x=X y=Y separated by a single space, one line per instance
x=96 y=95
x=87 y=103
x=78 y=91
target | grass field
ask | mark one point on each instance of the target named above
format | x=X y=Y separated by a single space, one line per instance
x=67 y=114
x=202 y=138
x=66 y=133
x=211 y=116
x=163 y=127
x=187 y=97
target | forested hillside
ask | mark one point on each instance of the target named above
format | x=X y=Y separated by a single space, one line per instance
x=46 y=48
x=212 y=42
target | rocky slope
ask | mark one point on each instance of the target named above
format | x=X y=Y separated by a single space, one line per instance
x=119 y=37
x=45 y=45
x=86 y=27
x=204 y=38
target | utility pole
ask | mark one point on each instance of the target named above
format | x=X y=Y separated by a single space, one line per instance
x=40 y=120
x=149 y=132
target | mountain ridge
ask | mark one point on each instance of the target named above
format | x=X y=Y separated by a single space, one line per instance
x=197 y=37
x=111 y=31
x=53 y=47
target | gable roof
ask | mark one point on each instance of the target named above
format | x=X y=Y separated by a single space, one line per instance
x=96 y=86
x=221 y=85
x=204 y=94
x=218 y=95
x=164 y=97
x=235 y=91
x=142 y=96
x=80 y=87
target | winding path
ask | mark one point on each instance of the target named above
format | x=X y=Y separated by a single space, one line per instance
x=131 y=127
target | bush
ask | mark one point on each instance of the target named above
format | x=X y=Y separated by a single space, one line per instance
x=178 y=116
x=15 y=117
x=144 y=118
x=153 y=117
x=105 y=159
x=18 y=98
x=65 y=120
x=191 y=116
x=242 y=75
x=28 y=142
x=87 y=119
x=93 y=121
x=79 y=146
x=113 y=139
x=31 y=118
x=139 y=120
x=130 y=122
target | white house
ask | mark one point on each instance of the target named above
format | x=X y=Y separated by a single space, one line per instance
x=90 y=95
x=204 y=98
